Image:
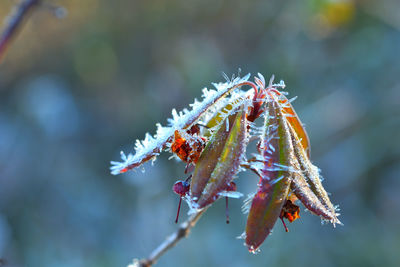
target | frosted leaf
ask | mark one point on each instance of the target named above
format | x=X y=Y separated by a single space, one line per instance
x=236 y=98
x=307 y=184
x=150 y=147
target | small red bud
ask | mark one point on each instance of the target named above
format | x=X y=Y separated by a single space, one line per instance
x=181 y=188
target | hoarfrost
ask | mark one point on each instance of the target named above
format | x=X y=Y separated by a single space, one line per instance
x=247 y=203
x=135 y=263
x=242 y=236
x=151 y=146
x=292 y=99
x=193 y=206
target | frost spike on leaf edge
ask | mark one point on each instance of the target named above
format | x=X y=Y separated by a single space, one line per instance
x=181 y=120
x=274 y=184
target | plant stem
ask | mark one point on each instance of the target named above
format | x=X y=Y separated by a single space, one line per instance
x=15 y=21
x=172 y=240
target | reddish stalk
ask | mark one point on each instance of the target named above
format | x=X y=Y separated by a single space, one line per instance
x=182 y=232
x=179 y=209
x=226 y=210
x=284 y=225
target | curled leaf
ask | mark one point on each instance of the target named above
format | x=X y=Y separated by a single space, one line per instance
x=152 y=146
x=274 y=184
x=293 y=120
x=228 y=164
x=220 y=159
x=307 y=186
x=208 y=159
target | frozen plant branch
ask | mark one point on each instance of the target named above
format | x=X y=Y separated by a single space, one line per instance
x=182 y=232
x=212 y=139
x=15 y=22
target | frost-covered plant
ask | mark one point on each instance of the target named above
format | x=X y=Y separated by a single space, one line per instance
x=212 y=139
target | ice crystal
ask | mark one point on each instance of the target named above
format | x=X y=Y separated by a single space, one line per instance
x=211 y=137
x=151 y=146
x=247 y=203
x=231 y=194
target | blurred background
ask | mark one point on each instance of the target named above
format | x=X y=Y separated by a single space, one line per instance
x=80 y=84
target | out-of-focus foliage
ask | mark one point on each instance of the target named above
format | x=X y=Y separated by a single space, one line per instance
x=74 y=89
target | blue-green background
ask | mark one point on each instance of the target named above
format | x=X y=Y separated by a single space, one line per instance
x=76 y=90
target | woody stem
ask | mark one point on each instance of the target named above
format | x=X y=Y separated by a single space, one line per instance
x=172 y=240
x=15 y=21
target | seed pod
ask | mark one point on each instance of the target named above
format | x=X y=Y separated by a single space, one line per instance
x=221 y=158
x=306 y=183
x=274 y=184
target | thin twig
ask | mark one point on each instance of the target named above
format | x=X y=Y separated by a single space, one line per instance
x=16 y=19
x=171 y=241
